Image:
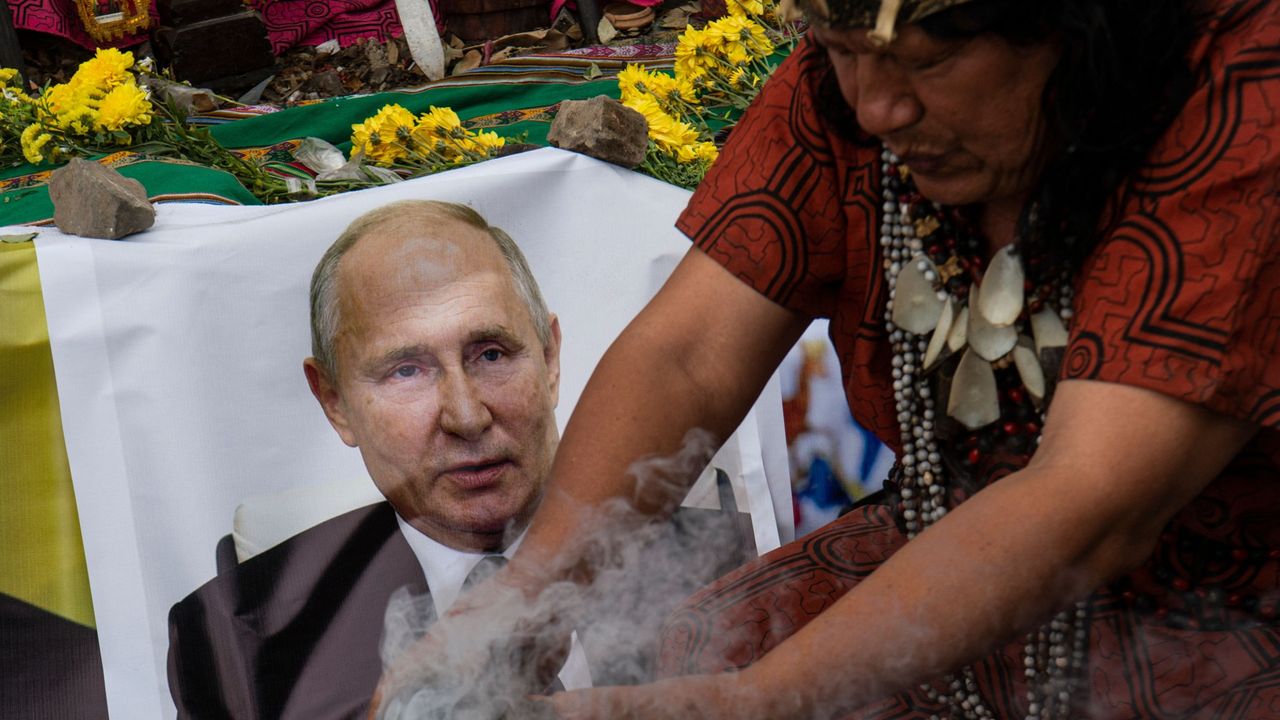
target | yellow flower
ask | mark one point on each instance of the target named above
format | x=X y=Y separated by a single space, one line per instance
x=425 y=139
x=690 y=48
x=106 y=69
x=126 y=104
x=673 y=133
x=490 y=141
x=738 y=37
x=69 y=107
x=635 y=80
x=66 y=98
x=15 y=95
x=745 y=8
x=704 y=152
x=631 y=82
x=647 y=105
x=7 y=75
x=382 y=137
x=440 y=119
x=668 y=132
x=34 y=142
x=688 y=88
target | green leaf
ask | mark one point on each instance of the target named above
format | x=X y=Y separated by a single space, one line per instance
x=593 y=71
x=15 y=239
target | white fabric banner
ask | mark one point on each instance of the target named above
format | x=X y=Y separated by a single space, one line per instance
x=178 y=355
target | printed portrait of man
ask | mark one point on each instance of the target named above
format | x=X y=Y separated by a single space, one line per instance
x=435 y=355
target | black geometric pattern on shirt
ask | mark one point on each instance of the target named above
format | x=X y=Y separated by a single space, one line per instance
x=826 y=565
x=1222 y=117
x=1153 y=325
x=1266 y=411
x=774 y=207
x=862 y=200
x=813 y=118
x=1083 y=360
x=1138 y=668
x=807 y=123
x=1228 y=19
x=1251 y=700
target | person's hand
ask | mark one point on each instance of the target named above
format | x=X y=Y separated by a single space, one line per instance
x=500 y=644
x=707 y=697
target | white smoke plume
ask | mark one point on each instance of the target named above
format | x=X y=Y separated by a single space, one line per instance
x=642 y=570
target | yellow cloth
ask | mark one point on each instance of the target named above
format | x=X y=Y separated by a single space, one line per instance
x=43 y=558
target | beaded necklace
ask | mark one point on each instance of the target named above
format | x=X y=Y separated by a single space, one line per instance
x=1007 y=330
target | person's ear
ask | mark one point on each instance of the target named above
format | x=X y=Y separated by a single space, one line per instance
x=551 y=354
x=325 y=390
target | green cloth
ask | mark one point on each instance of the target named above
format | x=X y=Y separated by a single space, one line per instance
x=516 y=111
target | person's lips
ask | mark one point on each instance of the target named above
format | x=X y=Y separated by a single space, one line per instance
x=926 y=163
x=477 y=475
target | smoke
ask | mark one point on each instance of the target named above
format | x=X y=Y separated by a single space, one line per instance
x=484 y=665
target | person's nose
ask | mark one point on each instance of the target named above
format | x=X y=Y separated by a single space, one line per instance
x=463 y=411
x=880 y=94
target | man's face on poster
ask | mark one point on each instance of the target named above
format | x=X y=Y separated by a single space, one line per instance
x=442 y=382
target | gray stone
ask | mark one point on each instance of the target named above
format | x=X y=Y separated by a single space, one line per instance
x=95 y=201
x=602 y=128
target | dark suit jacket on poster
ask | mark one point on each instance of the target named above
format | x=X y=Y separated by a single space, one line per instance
x=50 y=667
x=293 y=632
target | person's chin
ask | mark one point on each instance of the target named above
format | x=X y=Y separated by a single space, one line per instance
x=948 y=188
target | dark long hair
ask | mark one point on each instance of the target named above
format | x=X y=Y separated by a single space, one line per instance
x=1122 y=78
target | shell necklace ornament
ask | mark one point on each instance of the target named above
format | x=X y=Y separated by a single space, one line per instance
x=1009 y=335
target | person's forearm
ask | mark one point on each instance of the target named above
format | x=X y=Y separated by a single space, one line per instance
x=696 y=357
x=996 y=566
x=639 y=404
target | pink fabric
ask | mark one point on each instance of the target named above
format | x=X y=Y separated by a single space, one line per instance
x=289 y=22
x=311 y=22
x=59 y=17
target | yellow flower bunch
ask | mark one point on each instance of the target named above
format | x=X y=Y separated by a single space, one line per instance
x=704 y=152
x=635 y=81
x=668 y=132
x=394 y=137
x=15 y=114
x=384 y=137
x=746 y=8
x=95 y=108
x=442 y=120
x=440 y=132
x=719 y=68
x=737 y=39
x=103 y=95
x=727 y=61
x=103 y=106
x=126 y=104
x=8 y=90
x=34 y=142
x=691 y=49
x=106 y=69
x=671 y=138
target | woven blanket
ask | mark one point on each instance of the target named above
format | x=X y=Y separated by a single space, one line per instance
x=517 y=99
